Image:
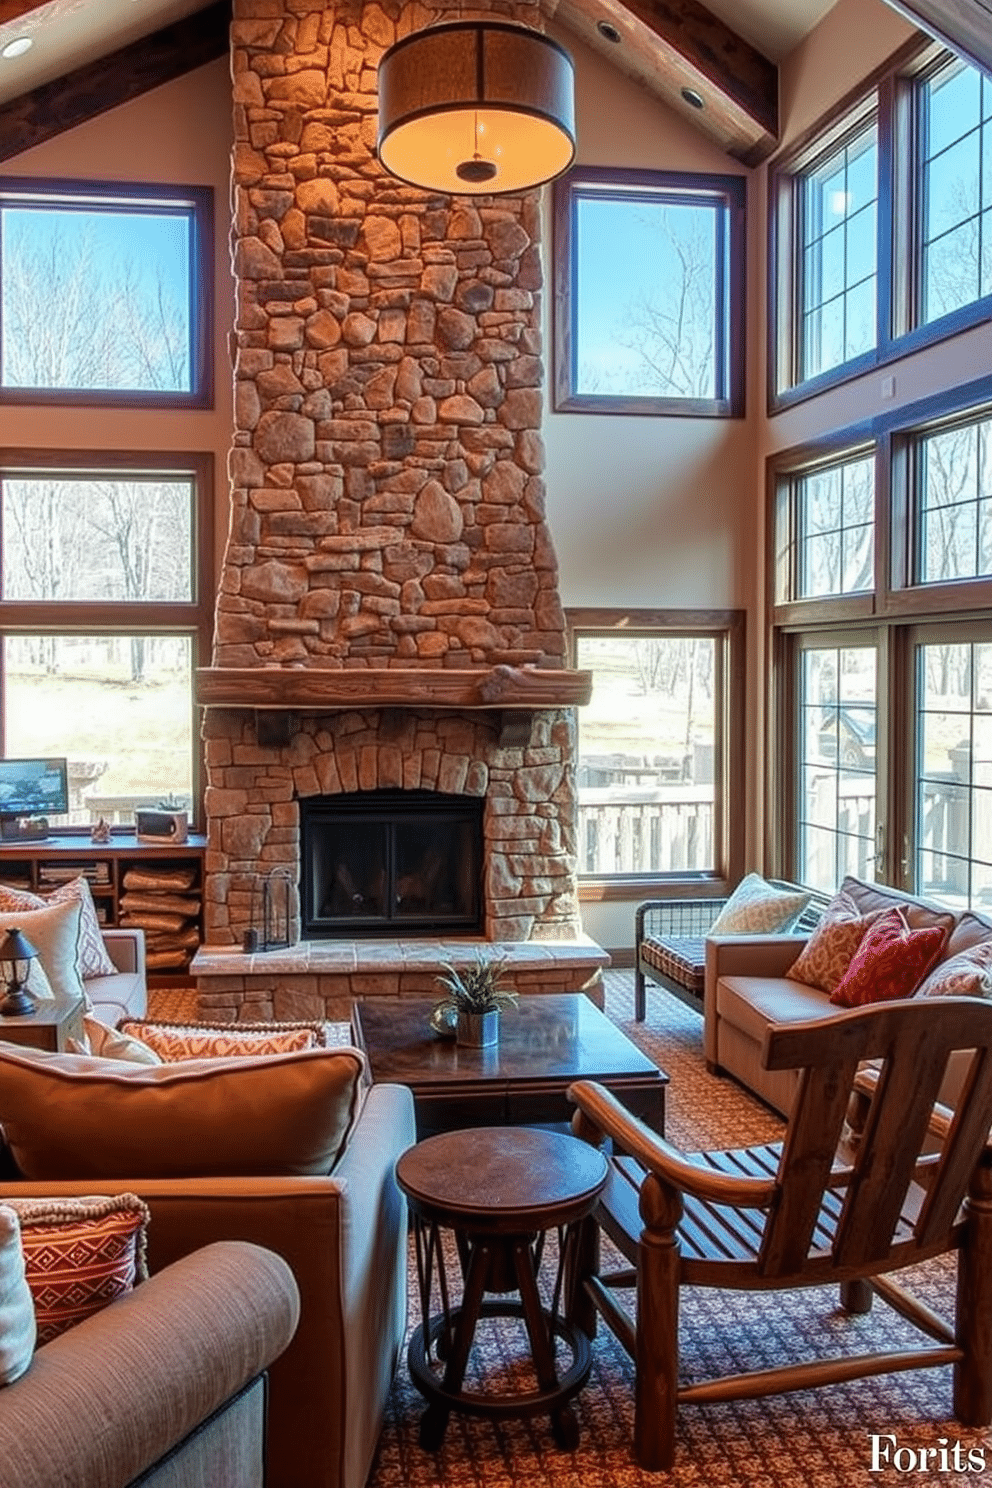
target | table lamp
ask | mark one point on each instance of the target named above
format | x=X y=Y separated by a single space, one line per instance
x=16 y=955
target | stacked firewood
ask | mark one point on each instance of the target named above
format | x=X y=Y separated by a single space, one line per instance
x=165 y=904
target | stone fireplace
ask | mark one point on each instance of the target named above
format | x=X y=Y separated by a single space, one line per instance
x=388 y=616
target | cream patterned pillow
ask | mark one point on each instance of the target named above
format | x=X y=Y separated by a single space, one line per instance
x=758 y=908
x=968 y=974
x=109 y=1043
x=54 y=933
x=824 y=959
x=18 y=1328
x=92 y=952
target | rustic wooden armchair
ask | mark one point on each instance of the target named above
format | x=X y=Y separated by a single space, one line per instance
x=852 y=1193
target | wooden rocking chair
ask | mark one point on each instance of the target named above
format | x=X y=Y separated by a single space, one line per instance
x=848 y=1196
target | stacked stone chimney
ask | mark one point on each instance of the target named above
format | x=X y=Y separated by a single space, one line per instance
x=387 y=500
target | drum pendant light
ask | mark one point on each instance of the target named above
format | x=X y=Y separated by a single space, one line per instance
x=477 y=108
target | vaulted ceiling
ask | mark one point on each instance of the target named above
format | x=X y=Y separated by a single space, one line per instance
x=716 y=63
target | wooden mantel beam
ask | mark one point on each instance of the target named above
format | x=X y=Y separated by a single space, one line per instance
x=671 y=45
x=330 y=689
x=963 y=25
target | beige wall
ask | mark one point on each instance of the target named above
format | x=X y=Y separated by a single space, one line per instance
x=619 y=487
x=179 y=133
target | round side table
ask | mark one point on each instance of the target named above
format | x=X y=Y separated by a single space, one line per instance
x=499 y=1190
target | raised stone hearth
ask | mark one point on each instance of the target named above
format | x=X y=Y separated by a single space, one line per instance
x=388 y=614
x=321 y=979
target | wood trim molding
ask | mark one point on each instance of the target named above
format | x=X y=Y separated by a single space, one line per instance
x=963 y=25
x=54 y=107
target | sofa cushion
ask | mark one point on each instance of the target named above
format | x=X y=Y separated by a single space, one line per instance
x=890 y=962
x=68 y=1116
x=17 y=1321
x=877 y=898
x=79 y=1255
x=968 y=974
x=91 y=953
x=827 y=954
x=54 y=932
x=750 y=1003
x=682 y=958
x=757 y=907
x=970 y=929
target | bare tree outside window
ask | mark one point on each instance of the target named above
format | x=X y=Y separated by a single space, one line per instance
x=649 y=302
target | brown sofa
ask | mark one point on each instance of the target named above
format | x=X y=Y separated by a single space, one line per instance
x=345 y=1238
x=115 y=1399
x=747 y=989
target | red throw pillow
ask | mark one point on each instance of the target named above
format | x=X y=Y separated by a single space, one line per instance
x=890 y=962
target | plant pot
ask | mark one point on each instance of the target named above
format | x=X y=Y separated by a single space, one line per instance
x=478 y=1030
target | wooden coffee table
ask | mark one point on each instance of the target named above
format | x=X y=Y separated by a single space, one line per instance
x=545 y=1043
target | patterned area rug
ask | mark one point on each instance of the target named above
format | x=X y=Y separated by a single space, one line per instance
x=821 y=1438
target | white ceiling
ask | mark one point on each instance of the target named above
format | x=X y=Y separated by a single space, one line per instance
x=70 y=33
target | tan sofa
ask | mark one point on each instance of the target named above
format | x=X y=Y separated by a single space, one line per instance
x=116 y=1398
x=345 y=1238
x=747 y=988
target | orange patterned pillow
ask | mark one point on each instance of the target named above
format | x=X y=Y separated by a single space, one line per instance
x=80 y=1254
x=173 y=1042
x=890 y=962
x=91 y=951
x=827 y=954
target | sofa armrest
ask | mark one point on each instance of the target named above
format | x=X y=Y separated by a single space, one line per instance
x=126 y=948
x=104 y=1401
x=742 y=955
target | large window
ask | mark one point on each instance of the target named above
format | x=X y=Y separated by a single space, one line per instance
x=839 y=248
x=882 y=754
x=104 y=293
x=105 y=610
x=881 y=224
x=649 y=307
x=658 y=756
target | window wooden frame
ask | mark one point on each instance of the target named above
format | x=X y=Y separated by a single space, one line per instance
x=891 y=617
x=896 y=85
x=618 y=185
x=193 y=618
x=727 y=629
x=122 y=197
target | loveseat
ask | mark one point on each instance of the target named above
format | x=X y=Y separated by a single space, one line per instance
x=343 y=1230
x=164 y=1385
x=747 y=987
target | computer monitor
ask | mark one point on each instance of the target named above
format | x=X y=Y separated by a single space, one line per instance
x=31 y=790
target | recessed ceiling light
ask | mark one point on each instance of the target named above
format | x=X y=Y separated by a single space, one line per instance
x=17 y=47
x=610 y=32
x=694 y=99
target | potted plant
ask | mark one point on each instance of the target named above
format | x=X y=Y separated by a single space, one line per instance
x=474 y=997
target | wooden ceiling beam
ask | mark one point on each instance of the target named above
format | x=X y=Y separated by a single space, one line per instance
x=54 y=107
x=12 y=10
x=963 y=25
x=678 y=45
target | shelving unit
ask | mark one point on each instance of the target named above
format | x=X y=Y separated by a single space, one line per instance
x=157 y=887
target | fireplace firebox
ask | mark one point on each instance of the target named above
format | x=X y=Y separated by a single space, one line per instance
x=390 y=862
